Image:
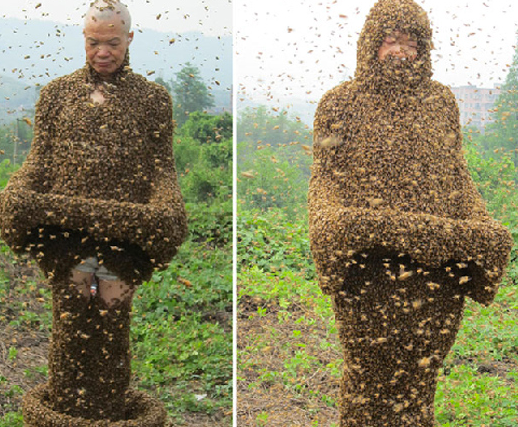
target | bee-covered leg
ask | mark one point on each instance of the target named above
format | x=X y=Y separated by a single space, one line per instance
x=110 y=362
x=113 y=292
x=89 y=359
x=83 y=282
x=89 y=367
x=70 y=349
x=397 y=322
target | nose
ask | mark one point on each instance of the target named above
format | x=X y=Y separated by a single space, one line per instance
x=103 y=52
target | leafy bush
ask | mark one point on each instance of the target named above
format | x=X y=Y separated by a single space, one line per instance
x=274 y=241
x=494 y=178
x=210 y=223
x=6 y=169
x=180 y=332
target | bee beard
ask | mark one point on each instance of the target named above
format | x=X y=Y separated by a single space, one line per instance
x=396 y=75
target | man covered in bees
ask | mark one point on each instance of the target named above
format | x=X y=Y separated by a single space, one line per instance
x=98 y=205
x=398 y=232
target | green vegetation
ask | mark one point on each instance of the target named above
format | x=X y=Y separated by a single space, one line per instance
x=6 y=169
x=15 y=139
x=501 y=140
x=182 y=319
x=273 y=160
x=181 y=333
x=189 y=92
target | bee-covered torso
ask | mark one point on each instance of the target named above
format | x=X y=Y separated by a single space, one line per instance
x=101 y=173
x=399 y=153
x=103 y=151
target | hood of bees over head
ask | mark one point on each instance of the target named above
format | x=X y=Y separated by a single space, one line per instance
x=385 y=17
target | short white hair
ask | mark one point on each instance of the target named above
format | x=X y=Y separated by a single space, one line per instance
x=106 y=9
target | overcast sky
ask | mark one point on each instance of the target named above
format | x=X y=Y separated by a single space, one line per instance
x=298 y=49
x=212 y=17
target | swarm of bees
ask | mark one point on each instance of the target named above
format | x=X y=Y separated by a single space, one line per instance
x=398 y=232
x=99 y=181
x=82 y=376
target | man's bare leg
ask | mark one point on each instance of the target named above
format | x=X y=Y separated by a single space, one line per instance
x=113 y=291
x=83 y=282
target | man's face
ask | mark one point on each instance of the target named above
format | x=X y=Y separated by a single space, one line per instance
x=399 y=45
x=106 y=43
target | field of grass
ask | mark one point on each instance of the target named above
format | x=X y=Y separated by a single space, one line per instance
x=289 y=357
x=181 y=336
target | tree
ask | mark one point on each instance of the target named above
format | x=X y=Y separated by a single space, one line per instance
x=502 y=135
x=265 y=182
x=207 y=128
x=203 y=152
x=273 y=160
x=190 y=93
x=261 y=129
x=15 y=139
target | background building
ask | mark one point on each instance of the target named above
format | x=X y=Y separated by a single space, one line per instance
x=476 y=104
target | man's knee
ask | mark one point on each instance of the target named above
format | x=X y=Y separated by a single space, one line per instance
x=114 y=291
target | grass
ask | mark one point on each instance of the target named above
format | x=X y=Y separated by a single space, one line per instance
x=289 y=357
x=181 y=336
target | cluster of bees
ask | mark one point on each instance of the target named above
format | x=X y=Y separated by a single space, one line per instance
x=398 y=232
x=89 y=359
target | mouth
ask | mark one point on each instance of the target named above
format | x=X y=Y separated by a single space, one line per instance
x=401 y=60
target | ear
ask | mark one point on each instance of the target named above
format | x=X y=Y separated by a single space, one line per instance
x=130 y=37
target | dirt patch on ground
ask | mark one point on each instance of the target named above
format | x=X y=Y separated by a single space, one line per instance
x=23 y=339
x=218 y=419
x=221 y=317
x=267 y=341
x=496 y=368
